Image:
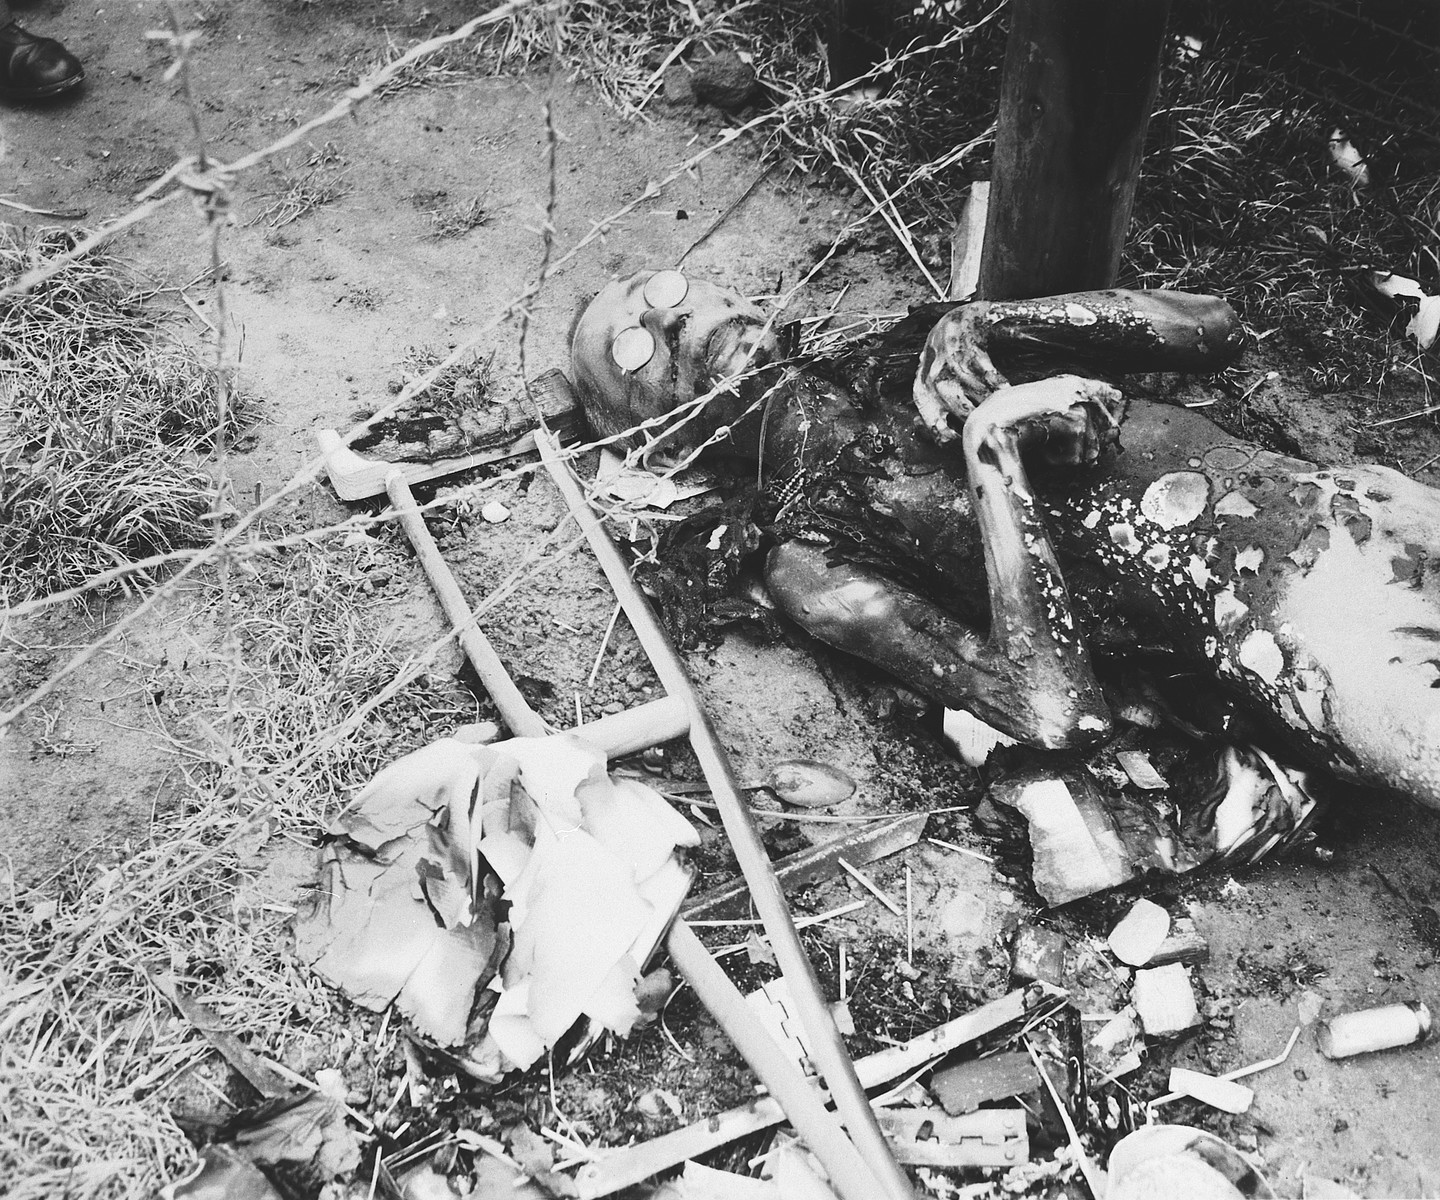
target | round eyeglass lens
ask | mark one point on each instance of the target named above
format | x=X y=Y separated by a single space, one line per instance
x=632 y=348
x=665 y=289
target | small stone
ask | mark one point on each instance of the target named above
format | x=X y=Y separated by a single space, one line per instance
x=724 y=80
x=495 y=512
x=678 y=89
x=654 y=989
x=1038 y=953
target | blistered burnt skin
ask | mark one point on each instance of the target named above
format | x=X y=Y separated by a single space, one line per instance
x=1312 y=593
x=1134 y=331
x=1116 y=331
x=1304 y=589
x=1030 y=675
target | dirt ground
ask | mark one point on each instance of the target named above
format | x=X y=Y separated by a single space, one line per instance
x=329 y=306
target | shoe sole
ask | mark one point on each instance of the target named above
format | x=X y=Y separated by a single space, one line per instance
x=46 y=92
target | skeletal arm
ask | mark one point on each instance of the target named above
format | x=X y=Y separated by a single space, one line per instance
x=1118 y=330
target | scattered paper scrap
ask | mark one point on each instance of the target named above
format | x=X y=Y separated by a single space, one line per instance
x=1348 y=159
x=1086 y=837
x=440 y=841
x=1424 y=326
x=635 y=485
x=1309 y=1006
x=1224 y=1094
x=1114 y=1049
x=973 y=739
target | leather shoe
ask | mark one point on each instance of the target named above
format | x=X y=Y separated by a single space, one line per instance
x=32 y=68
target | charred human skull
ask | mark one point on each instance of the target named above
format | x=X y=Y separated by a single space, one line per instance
x=661 y=359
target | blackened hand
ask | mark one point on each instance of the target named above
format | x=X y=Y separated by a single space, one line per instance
x=1078 y=436
x=1066 y=420
x=955 y=373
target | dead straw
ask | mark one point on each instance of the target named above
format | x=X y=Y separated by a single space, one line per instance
x=108 y=419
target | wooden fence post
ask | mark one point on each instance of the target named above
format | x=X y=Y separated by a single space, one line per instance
x=1078 y=87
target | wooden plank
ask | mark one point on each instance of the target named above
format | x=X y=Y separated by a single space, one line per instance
x=1186 y=944
x=795 y=871
x=1077 y=90
x=965 y=1086
x=617 y=1169
x=928 y=1137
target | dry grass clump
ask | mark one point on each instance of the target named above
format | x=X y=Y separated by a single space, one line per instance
x=105 y=417
x=458 y=219
x=456 y=389
x=92 y=1057
x=322 y=700
x=86 y=1045
x=1239 y=195
x=299 y=194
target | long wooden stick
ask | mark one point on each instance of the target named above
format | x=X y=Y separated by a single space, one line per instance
x=523 y=720
x=623 y=733
x=648 y=725
x=622 y=1168
x=801 y=1101
x=826 y=1047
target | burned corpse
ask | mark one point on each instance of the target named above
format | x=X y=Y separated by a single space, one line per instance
x=980 y=538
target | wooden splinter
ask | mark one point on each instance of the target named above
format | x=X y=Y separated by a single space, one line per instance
x=827 y=1049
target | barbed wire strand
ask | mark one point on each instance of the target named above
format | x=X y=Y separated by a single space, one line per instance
x=310 y=471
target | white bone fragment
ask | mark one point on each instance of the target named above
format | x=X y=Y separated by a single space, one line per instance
x=1142 y=932
x=974 y=741
x=1165 y=1000
x=1224 y=1094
